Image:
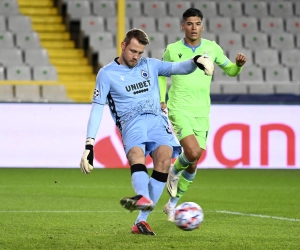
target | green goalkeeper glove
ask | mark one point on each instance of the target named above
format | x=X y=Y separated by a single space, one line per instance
x=205 y=63
x=86 y=163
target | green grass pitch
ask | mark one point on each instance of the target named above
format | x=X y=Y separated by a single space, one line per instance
x=64 y=209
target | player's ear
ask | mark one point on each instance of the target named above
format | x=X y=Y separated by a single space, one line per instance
x=182 y=26
x=123 y=45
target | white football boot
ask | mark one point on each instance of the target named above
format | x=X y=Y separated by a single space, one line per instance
x=170 y=211
x=172 y=182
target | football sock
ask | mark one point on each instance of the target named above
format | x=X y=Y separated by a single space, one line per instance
x=181 y=163
x=140 y=179
x=156 y=187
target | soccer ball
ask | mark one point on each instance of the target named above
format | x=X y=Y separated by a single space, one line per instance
x=188 y=216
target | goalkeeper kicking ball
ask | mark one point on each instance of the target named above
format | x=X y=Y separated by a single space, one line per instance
x=188 y=216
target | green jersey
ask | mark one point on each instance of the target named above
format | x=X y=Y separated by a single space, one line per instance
x=191 y=93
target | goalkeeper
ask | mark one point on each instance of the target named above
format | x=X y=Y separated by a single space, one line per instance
x=189 y=102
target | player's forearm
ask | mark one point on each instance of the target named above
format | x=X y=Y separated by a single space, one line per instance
x=232 y=69
x=162 y=82
x=183 y=68
x=94 y=120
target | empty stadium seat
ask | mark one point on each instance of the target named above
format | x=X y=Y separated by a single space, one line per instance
x=112 y=23
x=266 y=57
x=28 y=93
x=230 y=40
x=256 y=41
x=157 y=40
x=208 y=8
x=236 y=88
x=221 y=77
x=174 y=37
x=293 y=25
x=6 y=93
x=2 y=73
x=209 y=36
x=251 y=73
x=145 y=23
x=287 y=88
x=277 y=73
x=169 y=24
x=45 y=73
x=78 y=8
x=297 y=8
x=20 y=72
x=157 y=53
x=282 y=41
x=36 y=57
x=19 y=24
x=295 y=74
x=10 y=57
x=216 y=88
x=6 y=40
x=176 y=8
x=104 y=8
x=281 y=9
x=9 y=7
x=54 y=93
x=245 y=25
x=101 y=40
x=133 y=9
x=271 y=25
x=261 y=89
x=220 y=24
x=155 y=9
x=28 y=40
x=232 y=53
x=256 y=9
x=91 y=24
x=106 y=56
x=230 y=9
x=291 y=58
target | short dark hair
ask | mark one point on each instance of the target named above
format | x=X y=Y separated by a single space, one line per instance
x=192 y=12
x=138 y=34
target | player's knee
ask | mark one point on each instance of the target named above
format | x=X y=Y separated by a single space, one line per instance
x=193 y=154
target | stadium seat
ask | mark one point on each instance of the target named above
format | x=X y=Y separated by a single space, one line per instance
x=298 y=40
x=277 y=73
x=169 y=24
x=176 y=8
x=271 y=25
x=291 y=58
x=101 y=40
x=10 y=57
x=220 y=24
x=293 y=25
x=19 y=24
x=2 y=77
x=236 y=88
x=255 y=9
x=133 y=9
x=91 y=24
x=281 y=9
x=9 y=7
x=145 y=23
x=287 y=88
x=28 y=40
x=78 y=8
x=282 y=41
x=208 y=8
x=251 y=73
x=20 y=72
x=157 y=53
x=36 y=57
x=261 y=89
x=106 y=56
x=209 y=36
x=28 y=93
x=6 y=93
x=230 y=40
x=155 y=9
x=221 y=77
x=232 y=53
x=2 y=24
x=157 y=40
x=216 y=88
x=297 y=8
x=104 y=8
x=54 y=93
x=256 y=41
x=245 y=25
x=174 y=37
x=6 y=40
x=45 y=73
x=295 y=74
x=230 y=9
x=112 y=23
x=266 y=57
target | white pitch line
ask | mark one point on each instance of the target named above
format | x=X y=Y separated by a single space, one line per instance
x=257 y=215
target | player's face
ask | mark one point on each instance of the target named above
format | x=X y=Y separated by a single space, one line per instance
x=193 y=27
x=132 y=53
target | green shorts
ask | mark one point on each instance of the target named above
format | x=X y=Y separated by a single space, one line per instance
x=186 y=125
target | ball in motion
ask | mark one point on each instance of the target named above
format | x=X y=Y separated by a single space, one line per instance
x=188 y=216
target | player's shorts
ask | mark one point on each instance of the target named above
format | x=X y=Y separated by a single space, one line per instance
x=148 y=132
x=186 y=125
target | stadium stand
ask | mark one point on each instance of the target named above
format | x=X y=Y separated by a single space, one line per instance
x=65 y=42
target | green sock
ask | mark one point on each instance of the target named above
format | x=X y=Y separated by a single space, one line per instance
x=181 y=163
x=183 y=186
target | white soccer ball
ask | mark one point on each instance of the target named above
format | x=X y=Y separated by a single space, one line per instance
x=188 y=216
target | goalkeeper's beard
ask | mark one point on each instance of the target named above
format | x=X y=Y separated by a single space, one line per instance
x=131 y=63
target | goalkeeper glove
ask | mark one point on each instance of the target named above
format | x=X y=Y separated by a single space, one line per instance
x=86 y=163
x=205 y=63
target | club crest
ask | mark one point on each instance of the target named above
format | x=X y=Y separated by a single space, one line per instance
x=145 y=74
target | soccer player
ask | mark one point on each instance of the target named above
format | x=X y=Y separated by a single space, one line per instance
x=129 y=84
x=189 y=102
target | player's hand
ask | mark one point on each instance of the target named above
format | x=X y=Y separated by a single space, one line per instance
x=205 y=63
x=163 y=107
x=240 y=59
x=86 y=163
